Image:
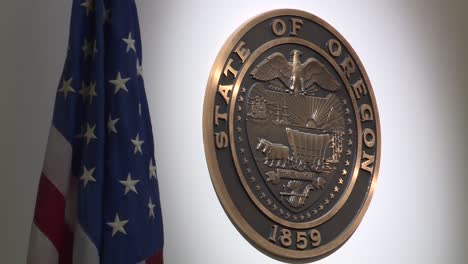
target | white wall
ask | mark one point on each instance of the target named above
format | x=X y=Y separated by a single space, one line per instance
x=414 y=52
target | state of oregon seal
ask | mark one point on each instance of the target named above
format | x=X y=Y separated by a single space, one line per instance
x=291 y=134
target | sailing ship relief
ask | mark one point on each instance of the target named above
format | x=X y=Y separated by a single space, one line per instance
x=297 y=125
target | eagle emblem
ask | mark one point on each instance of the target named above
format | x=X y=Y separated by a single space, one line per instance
x=295 y=77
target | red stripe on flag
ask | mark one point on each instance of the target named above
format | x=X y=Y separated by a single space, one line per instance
x=156 y=259
x=49 y=217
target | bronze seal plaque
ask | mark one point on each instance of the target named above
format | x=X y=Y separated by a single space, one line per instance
x=291 y=133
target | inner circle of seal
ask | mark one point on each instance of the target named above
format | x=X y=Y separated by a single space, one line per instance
x=264 y=48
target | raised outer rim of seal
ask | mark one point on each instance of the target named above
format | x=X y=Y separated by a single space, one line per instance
x=233 y=213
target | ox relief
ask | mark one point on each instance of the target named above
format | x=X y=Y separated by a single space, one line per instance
x=291 y=135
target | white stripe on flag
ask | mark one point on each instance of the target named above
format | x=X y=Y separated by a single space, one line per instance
x=84 y=250
x=57 y=162
x=41 y=249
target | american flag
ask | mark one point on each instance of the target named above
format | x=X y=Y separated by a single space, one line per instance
x=98 y=198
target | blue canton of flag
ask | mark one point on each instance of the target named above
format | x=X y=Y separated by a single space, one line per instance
x=98 y=198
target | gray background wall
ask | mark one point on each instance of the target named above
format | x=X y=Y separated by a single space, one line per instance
x=415 y=53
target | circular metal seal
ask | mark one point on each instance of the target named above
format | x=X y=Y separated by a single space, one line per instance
x=292 y=136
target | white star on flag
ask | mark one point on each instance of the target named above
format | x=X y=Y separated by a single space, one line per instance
x=84 y=91
x=107 y=15
x=111 y=125
x=139 y=68
x=118 y=225
x=130 y=42
x=66 y=88
x=152 y=169
x=88 y=4
x=119 y=83
x=87 y=49
x=87 y=176
x=130 y=184
x=89 y=134
x=137 y=143
x=92 y=91
x=151 y=206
